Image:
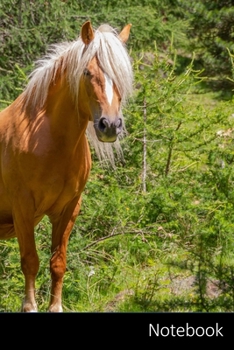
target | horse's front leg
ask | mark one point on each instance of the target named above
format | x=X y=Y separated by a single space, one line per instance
x=61 y=229
x=24 y=228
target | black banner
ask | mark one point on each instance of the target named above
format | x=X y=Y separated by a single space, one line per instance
x=102 y=329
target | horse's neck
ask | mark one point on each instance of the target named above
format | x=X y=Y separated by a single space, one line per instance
x=67 y=121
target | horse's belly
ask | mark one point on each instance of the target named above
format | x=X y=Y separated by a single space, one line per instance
x=7 y=231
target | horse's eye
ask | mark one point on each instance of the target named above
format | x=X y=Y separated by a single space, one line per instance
x=87 y=73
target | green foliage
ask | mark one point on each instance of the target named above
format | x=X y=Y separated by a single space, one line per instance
x=26 y=29
x=211 y=31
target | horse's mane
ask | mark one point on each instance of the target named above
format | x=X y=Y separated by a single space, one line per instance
x=73 y=58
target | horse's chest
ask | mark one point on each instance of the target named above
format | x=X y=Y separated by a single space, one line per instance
x=60 y=190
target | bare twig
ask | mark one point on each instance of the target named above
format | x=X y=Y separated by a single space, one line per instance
x=105 y=238
x=144 y=150
x=133 y=232
x=170 y=151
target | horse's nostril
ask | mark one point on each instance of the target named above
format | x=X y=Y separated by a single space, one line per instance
x=103 y=124
x=119 y=123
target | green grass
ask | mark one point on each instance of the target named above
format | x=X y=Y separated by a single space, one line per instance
x=125 y=273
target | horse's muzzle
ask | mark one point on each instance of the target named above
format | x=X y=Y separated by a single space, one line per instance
x=108 y=130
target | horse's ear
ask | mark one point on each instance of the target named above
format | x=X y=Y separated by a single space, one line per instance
x=124 y=34
x=87 y=33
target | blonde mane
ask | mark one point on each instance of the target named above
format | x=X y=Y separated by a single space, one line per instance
x=74 y=57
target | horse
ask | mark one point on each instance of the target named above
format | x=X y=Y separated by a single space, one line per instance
x=45 y=156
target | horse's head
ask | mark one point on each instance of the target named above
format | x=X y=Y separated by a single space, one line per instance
x=99 y=92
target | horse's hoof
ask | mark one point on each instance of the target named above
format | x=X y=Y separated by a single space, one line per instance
x=28 y=307
x=55 y=308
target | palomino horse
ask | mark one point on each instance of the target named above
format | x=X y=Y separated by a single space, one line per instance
x=44 y=154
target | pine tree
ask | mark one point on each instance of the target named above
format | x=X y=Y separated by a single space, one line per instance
x=212 y=34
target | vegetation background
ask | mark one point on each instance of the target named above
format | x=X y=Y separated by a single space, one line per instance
x=156 y=231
